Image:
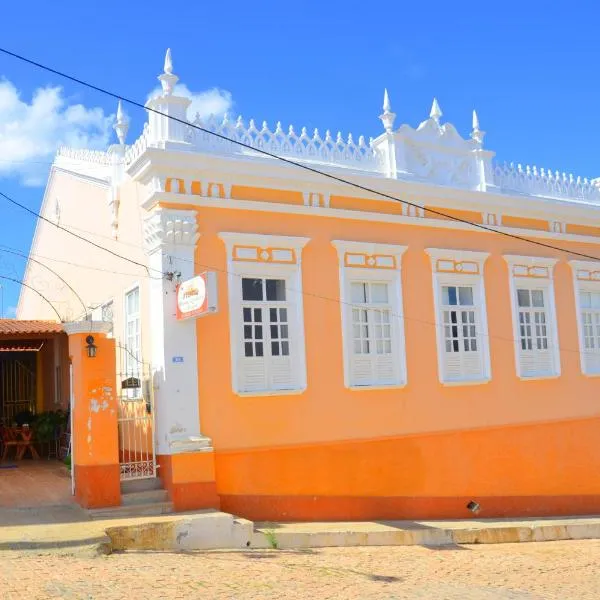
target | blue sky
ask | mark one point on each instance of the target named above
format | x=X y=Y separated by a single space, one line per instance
x=529 y=69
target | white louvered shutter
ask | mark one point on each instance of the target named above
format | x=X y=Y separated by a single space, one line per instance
x=267 y=351
x=589 y=303
x=535 y=343
x=374 y=359
x=462 y=356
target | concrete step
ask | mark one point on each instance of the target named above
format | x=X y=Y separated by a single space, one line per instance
x=132 y=511
x=144 y=497
x=141 y=485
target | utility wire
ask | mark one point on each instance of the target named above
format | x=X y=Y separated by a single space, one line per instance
x=15 y=252
x=287 y=161
x=370 y=190
x=79 y=237
x=36 y=291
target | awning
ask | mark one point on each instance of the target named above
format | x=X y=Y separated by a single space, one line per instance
x=21 y=346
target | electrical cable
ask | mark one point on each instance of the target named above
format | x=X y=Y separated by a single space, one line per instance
x=287 y=161
x=433 y=211
x=15 y=252
x=40 y=216
x=36 y=291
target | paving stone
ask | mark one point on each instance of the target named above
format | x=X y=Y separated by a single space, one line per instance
x=532 y=571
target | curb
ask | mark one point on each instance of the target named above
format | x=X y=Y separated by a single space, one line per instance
x=222 y=531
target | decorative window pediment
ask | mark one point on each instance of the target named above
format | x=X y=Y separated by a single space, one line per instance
x=372 y=315
x=266 y=313
x=461 y=316
x=534 y=316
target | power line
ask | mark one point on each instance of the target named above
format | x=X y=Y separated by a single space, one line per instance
x=78 y=265
x=370 y=190
x=79 y=237
x=17 y=253
x=292 y=163
x=36 y=291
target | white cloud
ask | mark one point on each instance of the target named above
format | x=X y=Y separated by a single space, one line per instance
x=209 y=102
x=30 y=132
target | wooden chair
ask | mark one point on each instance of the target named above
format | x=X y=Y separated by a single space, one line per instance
x=10 y=439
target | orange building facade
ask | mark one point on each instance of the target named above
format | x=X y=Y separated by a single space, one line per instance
x=372 y=354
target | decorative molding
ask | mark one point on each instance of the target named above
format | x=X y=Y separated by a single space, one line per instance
x=493 y=219
x=75 y=327
x=584 y=270
x=316 y=199
x=369 y=255
x=460 y=262
x=257 y=247
x=268 y=255
x=166 y=226
x=557 y=226
x=536 y=267
x=367 y=216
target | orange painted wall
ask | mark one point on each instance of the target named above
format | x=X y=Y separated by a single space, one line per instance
x=328 y=413
x=95 y=437
x=503 y=468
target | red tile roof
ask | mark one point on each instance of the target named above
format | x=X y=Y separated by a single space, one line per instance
x=16 y=327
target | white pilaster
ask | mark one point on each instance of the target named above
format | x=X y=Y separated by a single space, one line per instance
x=170 y=237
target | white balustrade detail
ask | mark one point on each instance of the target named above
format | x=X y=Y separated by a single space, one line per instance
x=543 y=182
x=327 y=150
x=82 y=154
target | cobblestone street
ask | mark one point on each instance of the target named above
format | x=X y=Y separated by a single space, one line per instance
x=533 y=571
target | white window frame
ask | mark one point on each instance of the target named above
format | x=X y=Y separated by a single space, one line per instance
x=461 y=268
x=534 y=272
x=586 y=278
x=371 y=274
x=292 y=273
x=138 y=371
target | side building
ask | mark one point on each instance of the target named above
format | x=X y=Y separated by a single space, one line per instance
x=396 y=348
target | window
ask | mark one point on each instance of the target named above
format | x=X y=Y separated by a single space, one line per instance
x=587 y=293
x=372 y=320
x=535 y=333
x=589 y=305
x=133 y=342
x=463 y=345
x=267 y=331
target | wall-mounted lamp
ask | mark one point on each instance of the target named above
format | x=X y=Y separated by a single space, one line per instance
x=474 y=506
x=91 y=347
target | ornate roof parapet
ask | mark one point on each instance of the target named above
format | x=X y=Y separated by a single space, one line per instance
x=305 y=147
x=511 y=178
x=98 y=157
x=436 y=153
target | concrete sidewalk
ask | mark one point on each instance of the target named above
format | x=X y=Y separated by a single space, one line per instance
x=69 y=529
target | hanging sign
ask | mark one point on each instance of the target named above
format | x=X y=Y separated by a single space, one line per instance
x=197 y=297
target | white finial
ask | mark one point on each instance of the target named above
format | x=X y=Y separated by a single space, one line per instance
x=121 y=125
x=168 y=62
x=387 y=117
x=168 y=79
x=436 y=111
x=387 y=107
x=477 y=134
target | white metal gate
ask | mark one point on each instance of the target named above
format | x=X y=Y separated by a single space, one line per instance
x=137 y=457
